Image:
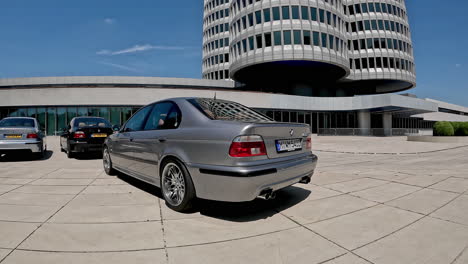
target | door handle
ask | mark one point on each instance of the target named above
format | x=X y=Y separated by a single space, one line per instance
x=162 y=140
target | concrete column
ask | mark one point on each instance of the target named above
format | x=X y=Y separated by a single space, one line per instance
x=387 y=124
x=364 y=120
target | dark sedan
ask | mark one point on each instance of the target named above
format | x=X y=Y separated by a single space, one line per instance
x=85 y=134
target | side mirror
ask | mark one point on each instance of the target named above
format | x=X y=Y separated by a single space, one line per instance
x=116 y=128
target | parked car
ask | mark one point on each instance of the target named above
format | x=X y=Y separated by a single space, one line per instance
x=22 y=134
x=210 y=149
x=85 y=134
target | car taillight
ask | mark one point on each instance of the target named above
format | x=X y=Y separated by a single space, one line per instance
x=79 y=134
x=247 y=146
x=309 y=142
x=32 y=136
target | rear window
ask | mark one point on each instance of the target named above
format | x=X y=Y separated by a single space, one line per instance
x=91 y=122
x=17 y=122
x=225 y=110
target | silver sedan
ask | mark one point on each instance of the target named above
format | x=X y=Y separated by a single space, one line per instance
x=22 y=134
x=210 y=149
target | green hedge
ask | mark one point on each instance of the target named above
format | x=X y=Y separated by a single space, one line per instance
x=443 y=129
x=448 y=129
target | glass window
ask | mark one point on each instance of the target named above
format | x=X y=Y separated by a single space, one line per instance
x=266 y=15
x=316 y=38
x=17 y=122
x=51 y=122
x=251 y=20
x=90 y=122
x=137 y=121
x=115 y=116
x=164 y=115
x=287 y=37
x=258 y=17
x=364 y=8
x=305 y=13
x=277 y=37
x=41 y=117
x=324 y=40
x=276 y=13
x=226 y=110
x=295 y=12
x=297 y=37
x=251 y=43
x=61 y=118
x=307 y=37
x=322 y=15
x=313 y=13
x=259 y=41
x=331 y=41
x=285 y=11
x=374 y=25
x=267 y=39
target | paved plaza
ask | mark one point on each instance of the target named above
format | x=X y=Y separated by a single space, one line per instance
x=372 y=200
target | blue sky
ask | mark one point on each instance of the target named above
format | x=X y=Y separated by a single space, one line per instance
x=164 y=38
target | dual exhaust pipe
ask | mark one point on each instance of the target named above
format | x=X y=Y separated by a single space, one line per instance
x=269 y=194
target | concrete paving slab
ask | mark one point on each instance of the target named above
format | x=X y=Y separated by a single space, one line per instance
x=348 y=259
x=314 y=211
x=355 y=185
x=387 y=192
x=324 y=178
x=107 y=214
x=96 y=237
x=424 y=201
x=112 y=181
x=14 y=181
x=315 y=192
x=140 y=257
x=47 y=189
x=463 y=257
x=4 y=253
x=13 y=233
x=194 y=231
x=457 y=185
x=26 y=213
x=456 y=211
x=35 y=199
x=292 y=246
x=423 y=180
x=139 y=198
x=63 y=182
x=360 y=228
x=7 y=188
x=429 y=241
x=103 y=189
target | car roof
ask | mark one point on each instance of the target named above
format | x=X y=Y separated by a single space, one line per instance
x=18 y=117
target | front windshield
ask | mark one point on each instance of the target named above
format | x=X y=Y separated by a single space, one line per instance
x=91 y=122
x=17 y=122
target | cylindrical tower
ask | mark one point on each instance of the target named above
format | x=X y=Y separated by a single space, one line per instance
x=380 y=46
x=216 y=39
x=288 y=40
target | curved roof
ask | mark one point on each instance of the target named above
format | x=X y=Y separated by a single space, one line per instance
x=116 y=81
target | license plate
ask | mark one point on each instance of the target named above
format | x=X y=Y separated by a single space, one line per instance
x=13 y=136
x=288 y=145
x=99 y=135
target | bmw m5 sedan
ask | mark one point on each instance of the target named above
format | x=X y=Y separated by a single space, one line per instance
x=22 y=134
x=210 y=149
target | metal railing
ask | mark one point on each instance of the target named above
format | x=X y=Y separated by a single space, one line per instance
x=376 y=132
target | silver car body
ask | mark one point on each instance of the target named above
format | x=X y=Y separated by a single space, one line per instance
x=15 y=138
x=202 y=144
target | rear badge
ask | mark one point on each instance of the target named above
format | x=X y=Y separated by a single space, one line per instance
x=291 y=132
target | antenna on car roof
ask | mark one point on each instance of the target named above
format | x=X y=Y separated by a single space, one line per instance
x=214 y=97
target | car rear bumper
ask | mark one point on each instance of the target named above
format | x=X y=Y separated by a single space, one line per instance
x=76 y=146
x=241 y=184
x=15 y=145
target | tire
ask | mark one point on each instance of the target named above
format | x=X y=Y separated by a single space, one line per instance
x=174 y=172
x=107 y=162
x=70 y=154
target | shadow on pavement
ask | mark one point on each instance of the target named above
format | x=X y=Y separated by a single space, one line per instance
x=25 y=157
x=235 y=212
x=88 y=156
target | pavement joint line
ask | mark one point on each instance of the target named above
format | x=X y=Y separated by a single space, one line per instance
x=389 y=153
x=330 y=259
x=459 y=255
x=163 y=231
x=410 y=224
x=360 y=190
x=329 y=240
x=22 y=185
x=41 y=224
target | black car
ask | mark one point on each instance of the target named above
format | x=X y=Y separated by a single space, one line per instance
x=85 y=134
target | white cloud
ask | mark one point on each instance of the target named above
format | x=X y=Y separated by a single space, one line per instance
x=458 y=65
x=138 y=48
x=118 y=66
x=110 y=21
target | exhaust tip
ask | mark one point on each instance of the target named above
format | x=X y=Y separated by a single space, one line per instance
x=305 y=180
x=267 y=194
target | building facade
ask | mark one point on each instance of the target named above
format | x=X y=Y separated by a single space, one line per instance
x=310 y=47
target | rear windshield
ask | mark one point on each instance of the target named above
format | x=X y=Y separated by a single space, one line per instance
x=17 y=122
x=225 y=110
x=91 y=122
